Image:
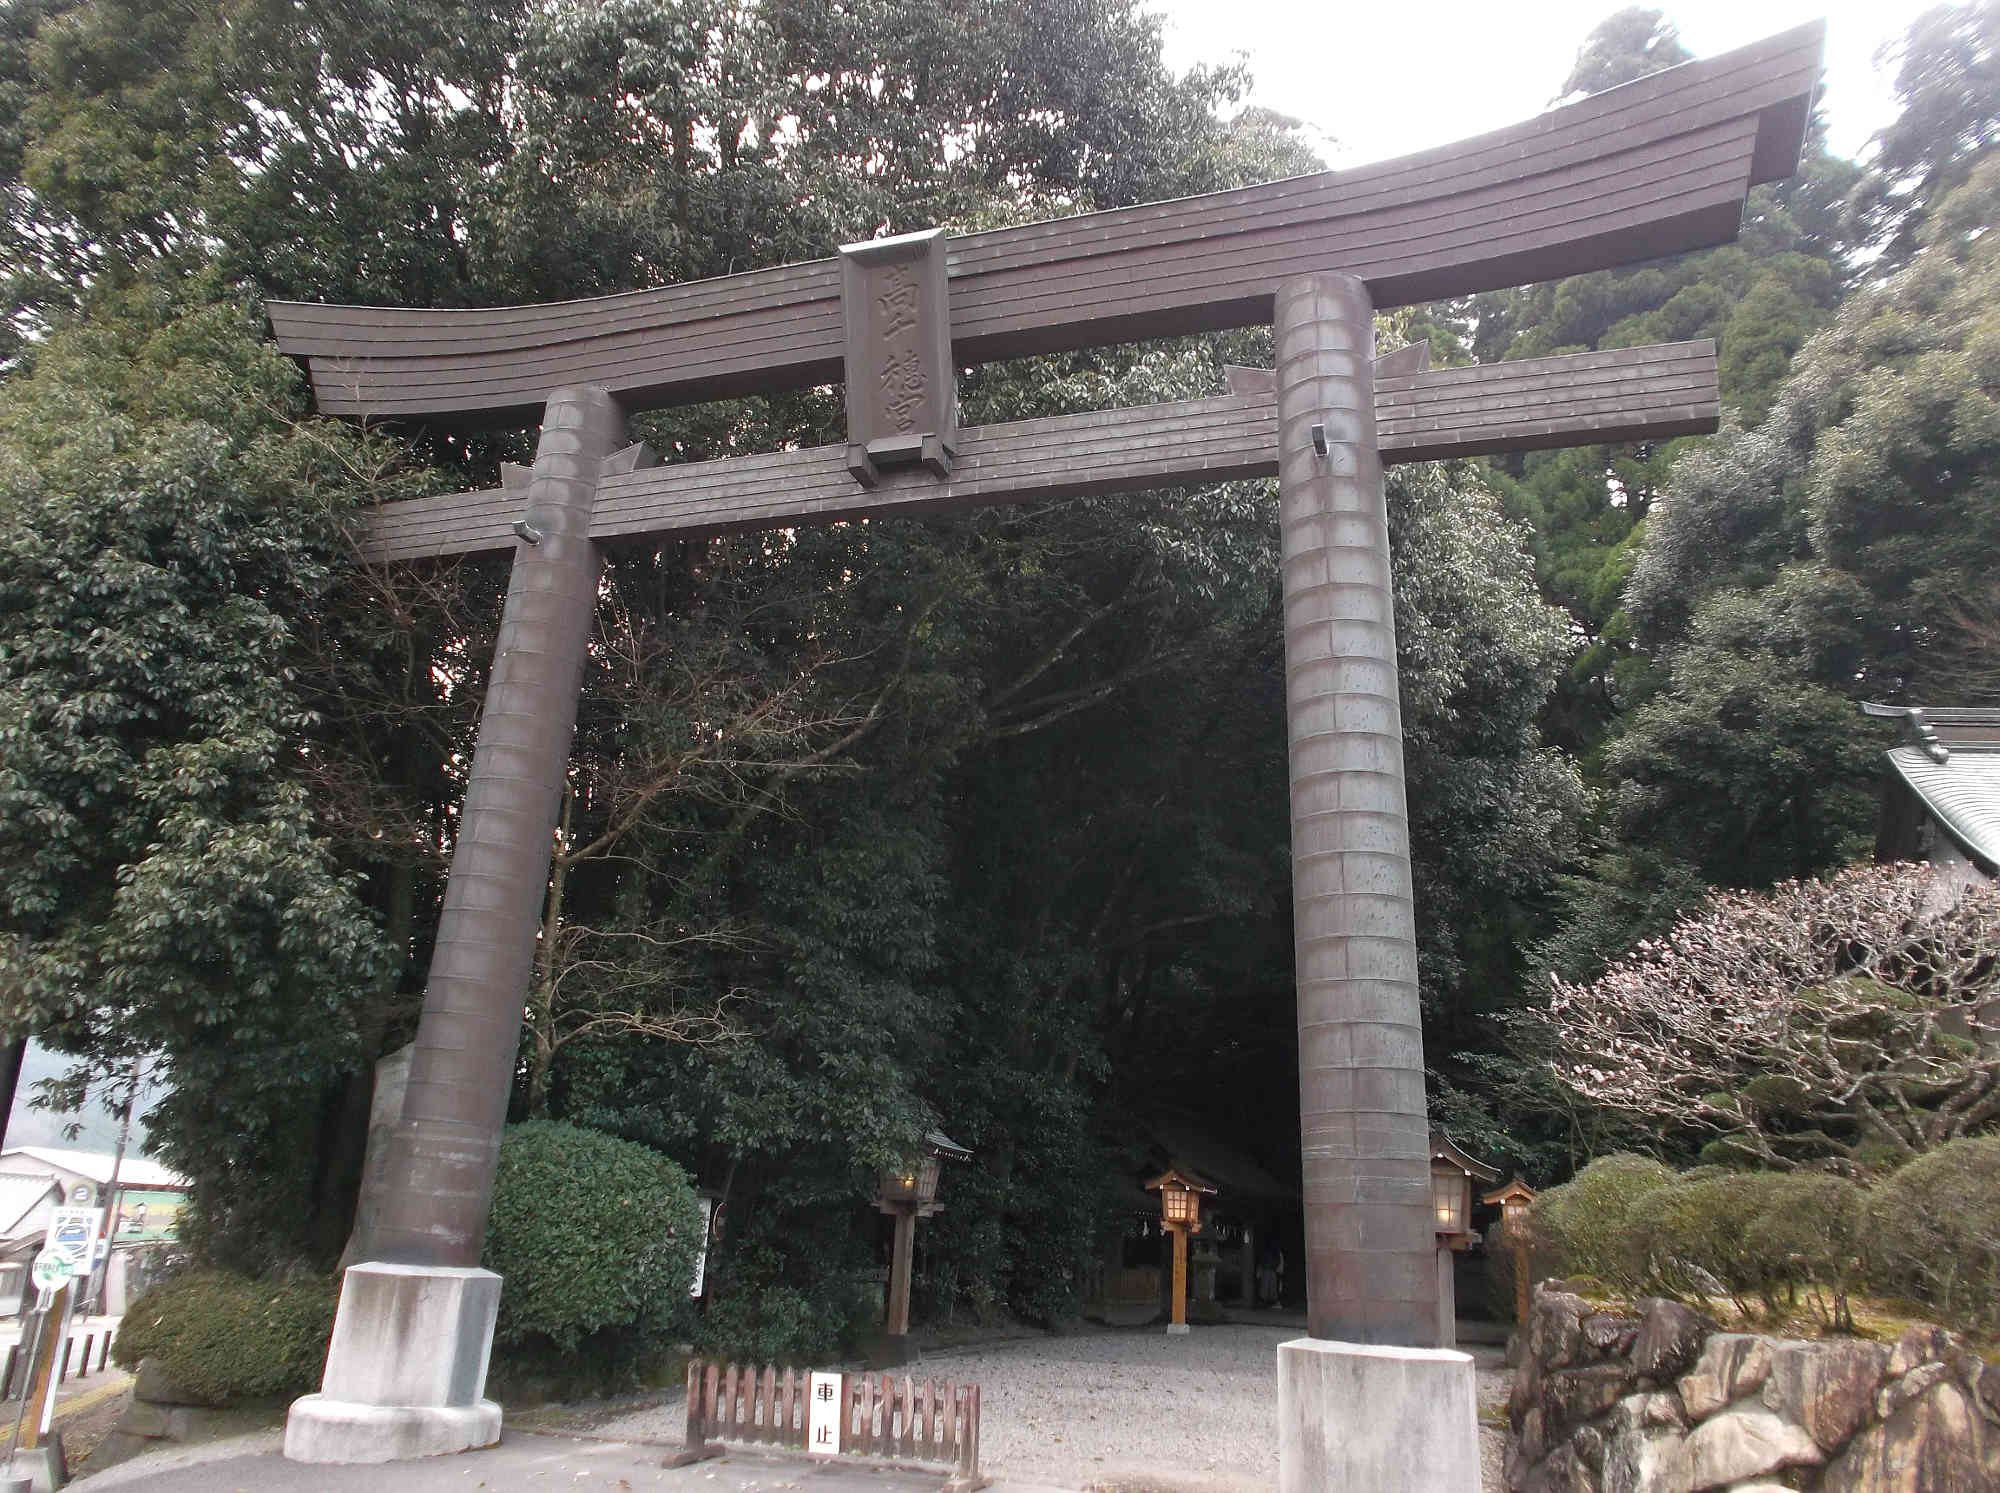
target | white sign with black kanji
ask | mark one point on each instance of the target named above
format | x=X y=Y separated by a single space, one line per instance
x=823 y=1415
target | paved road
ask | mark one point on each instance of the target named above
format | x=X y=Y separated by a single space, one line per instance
x=522 y=1463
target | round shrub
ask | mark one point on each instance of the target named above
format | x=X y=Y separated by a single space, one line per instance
x=592 y=1236
x=1808 y=1234
x=225 y=1338
x=1933 y=1231
x=1693 y=1238
x=1582 y=1222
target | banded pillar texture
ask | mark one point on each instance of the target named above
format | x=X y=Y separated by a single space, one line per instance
x=440 y=1176
x=1370 y=1267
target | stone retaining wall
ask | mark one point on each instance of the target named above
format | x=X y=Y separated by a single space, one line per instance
x=162 y=1414
x=1659 y=1400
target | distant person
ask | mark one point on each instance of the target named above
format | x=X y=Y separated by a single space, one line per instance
x=1270 y=1274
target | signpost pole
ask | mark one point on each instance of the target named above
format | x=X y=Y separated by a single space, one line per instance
x=34 y=1419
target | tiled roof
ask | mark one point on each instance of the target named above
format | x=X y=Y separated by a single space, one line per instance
x=1962 y=794
x=1953 y=765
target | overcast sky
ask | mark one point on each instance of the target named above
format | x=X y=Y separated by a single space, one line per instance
x=1435 y=71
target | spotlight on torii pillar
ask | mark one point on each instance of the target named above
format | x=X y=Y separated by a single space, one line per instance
x=1180 y=1215
x=908 y=1193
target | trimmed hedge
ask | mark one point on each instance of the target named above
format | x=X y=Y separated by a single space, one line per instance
x=594 y=1237
x=225 y=1338
x=1933 y=1231
x=1929 y=1232
x=1582 y=1222
x=595 y=1240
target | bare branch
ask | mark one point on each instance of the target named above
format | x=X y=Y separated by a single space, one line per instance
x=1861 y=1003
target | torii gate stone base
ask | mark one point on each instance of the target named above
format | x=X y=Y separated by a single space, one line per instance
x=1370 y=1398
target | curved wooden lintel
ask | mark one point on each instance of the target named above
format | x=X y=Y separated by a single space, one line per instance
x=1656 y=167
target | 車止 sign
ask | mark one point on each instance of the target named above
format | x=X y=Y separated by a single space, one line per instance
x=823 y=1415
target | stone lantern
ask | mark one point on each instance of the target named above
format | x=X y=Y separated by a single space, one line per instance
x=907 y=1193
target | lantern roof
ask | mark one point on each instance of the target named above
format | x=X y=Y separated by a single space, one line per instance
x=942 y=1146
x=1515 y=1190
x=1174 y=1176
x=1442 y=1149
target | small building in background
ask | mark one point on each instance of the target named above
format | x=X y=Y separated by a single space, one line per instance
x=1941 y=790
x=36 y=1180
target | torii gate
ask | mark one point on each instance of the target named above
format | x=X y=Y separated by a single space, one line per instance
x=1656 y=167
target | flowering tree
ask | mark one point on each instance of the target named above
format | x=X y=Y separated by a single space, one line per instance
x=1830 y=1022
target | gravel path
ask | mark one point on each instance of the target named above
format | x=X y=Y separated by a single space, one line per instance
x=1110 y=1411
x=1138 y=1410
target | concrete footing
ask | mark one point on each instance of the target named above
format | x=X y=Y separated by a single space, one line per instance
x=406 y=1370
x=1388 y=1419
x=37 y=1469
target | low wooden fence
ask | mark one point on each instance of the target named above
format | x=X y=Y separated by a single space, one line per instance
x=881 y=1415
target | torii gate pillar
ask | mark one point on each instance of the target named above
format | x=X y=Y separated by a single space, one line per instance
x=1358 y=1405
x=406 y=1370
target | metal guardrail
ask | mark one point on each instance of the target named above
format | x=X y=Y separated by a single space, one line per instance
x=97 y=1344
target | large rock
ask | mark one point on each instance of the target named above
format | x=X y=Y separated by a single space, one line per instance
x=1827 y=1387
x=1920 y=1345
x=1988 y=1396
x=1608 y=1333
x=1642 y=1442
x=1527 y=1385
x=1564 y=1472
x=1912 y=1386
x=1746 y=1442
x=1657 y=1410
x=1588 y=1444
x=1530 y=1439
x=1555 y=1337
x=159 y=1422
x=1732 y=1365
x=1670 y=1339
x=1932 y=1444
x=1515 y=1462
x=1569 y=1397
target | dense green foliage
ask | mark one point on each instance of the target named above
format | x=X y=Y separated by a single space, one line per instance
x=595 y=1241
x=223 y=1339
x=1775 y=1242
x=1583 y=1222
x=1742 y=593
x=976 y=822
x=1934 y=1230
x=169 y=888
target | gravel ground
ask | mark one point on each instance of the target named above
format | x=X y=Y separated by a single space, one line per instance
x=1130 y=1411
x=1138 y=1410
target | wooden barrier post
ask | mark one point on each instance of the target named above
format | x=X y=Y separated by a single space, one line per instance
x=695 y=1446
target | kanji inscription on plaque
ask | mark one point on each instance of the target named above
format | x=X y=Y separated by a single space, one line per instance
x=902 y=401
